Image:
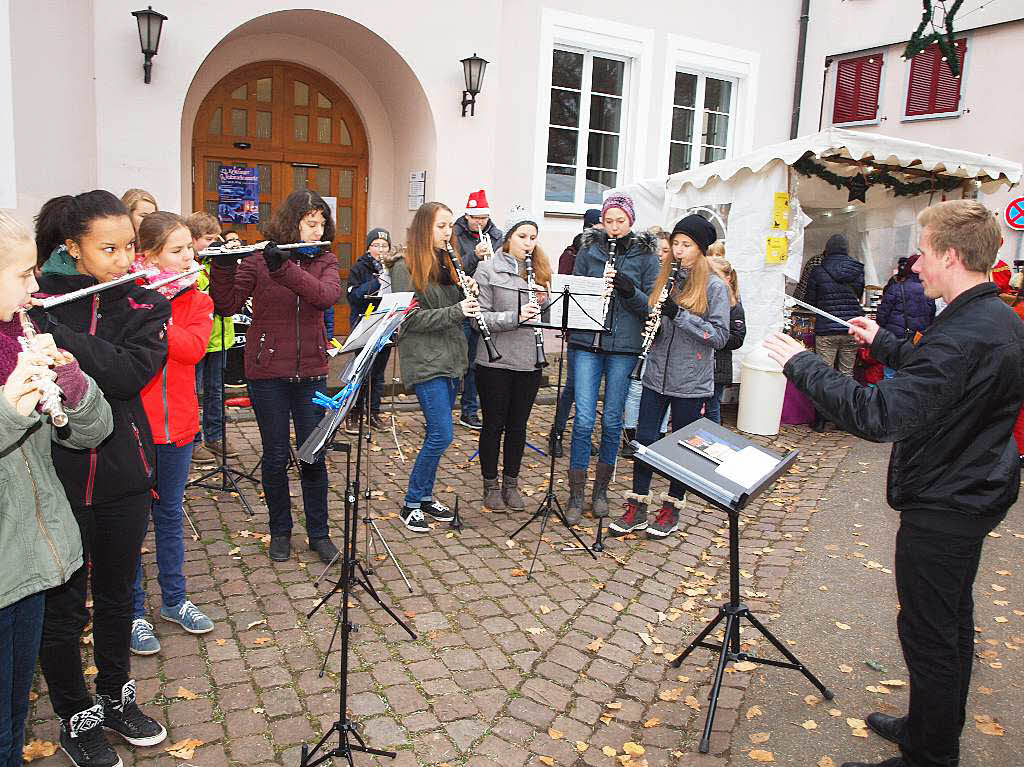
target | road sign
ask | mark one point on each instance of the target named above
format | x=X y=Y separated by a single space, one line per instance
x=1015 y=214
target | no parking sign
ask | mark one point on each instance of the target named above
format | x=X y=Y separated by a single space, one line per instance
x=1014 y=215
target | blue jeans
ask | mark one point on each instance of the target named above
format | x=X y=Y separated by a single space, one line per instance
x=714 y=409
x=653 y=407
x=568 y=396
x=470 y=402
x=21 y=627
x=437 y=398
x=172 y=465
x=276 y=401
x=590 y=368
x=210 y=386
x=631 y=413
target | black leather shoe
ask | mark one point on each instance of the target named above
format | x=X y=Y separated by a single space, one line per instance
x=324 y=549
x=280 y=548
x=896 y=761
x=819 y=424
x=555 y=443
x=889 y=727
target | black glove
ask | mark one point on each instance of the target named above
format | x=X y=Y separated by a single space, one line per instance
x=624 y=285
x=227 y=260
x=670 y=308
x=273 y=256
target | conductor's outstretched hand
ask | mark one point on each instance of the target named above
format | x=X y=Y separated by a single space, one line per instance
x=863 y=330
x=782 y=348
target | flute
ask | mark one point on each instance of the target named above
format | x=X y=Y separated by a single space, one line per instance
x=74 y=295
x=169 y=280
x=222 y=251
x=49 y=393
x=609 y=265
x=538 y=333
x=654 y=323
x=485 y=333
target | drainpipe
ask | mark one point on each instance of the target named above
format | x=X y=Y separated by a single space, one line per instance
x=794 y=125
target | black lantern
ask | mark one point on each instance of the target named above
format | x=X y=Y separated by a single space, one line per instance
x=473 y=67
x=150 y=24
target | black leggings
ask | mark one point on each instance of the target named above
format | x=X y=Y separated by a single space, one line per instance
x=506 y=398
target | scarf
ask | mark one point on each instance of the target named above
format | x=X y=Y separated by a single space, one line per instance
x=171 y=289
x=10 y=348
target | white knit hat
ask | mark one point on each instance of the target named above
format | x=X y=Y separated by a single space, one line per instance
x=516 y=216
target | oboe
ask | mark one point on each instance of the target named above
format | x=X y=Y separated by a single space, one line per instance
x=485 y=333
x=654 y=323
x=49 y=393
x=609 y=265
x=538 y=333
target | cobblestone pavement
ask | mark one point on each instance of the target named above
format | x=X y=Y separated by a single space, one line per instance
x=562 y=669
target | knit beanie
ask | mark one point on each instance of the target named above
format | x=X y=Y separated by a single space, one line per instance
x=837 y=244
x=517 y=216
x=698 y=229
x=378 y=234
x=621 y=201
x=591 y=217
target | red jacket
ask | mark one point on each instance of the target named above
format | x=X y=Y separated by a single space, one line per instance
x=170 y=397
x=287 y=338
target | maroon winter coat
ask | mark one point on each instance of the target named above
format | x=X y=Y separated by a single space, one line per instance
x=287 y=338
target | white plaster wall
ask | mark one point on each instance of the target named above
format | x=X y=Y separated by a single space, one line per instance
x=8 y=182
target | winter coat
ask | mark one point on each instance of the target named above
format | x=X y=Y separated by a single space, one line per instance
x=431 y=341
x=467 y=240
x=500 y=282
x=363 y=279
x=568 y=257
x=221 y=325
x=737 y=335
x=287 y=338
x=681 y=361
x=637 y=259
x=836 y=286
x=904 y=307
x=119 y=337
x=950 y=411
x=40 y=546
x=170 y=398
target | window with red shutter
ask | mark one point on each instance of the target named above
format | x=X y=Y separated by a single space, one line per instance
x=931 y=88
x=857 y=84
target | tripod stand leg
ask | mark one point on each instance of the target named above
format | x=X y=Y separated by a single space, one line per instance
x=697 y=641
x=364 y=581
x=827 y=693
x=723 y=658
x=390 y=553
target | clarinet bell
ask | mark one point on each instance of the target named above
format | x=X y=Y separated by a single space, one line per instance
x=492 y=351
x=637 y=368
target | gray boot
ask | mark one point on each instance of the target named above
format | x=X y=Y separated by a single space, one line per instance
x=577 y=483
x=493 y=495
x=599 y=502
x=510 y=493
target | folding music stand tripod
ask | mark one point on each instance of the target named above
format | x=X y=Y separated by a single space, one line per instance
x=671 y=458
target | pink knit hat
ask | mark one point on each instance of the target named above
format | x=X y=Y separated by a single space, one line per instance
x=621 y=201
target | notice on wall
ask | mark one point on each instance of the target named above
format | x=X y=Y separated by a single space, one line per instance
x=777 y=250
x=238 y=195
x=780 y=211
x=417 y=188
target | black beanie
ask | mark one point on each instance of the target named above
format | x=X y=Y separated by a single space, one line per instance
x=591 y=217
x=698 y=229
x=837 y=244
x=377 y=234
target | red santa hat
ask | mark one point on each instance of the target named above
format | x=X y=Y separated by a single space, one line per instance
x=477 y=205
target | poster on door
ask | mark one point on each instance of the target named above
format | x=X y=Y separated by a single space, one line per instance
x=238 y=195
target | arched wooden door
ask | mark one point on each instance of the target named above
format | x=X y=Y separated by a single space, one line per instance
x=301 y=132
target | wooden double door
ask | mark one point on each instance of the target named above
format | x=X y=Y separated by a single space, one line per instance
x=300 y=132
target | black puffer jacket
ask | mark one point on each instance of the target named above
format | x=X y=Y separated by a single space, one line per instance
x=363 y=279
x=904 y=306
x=737 y=335
x=836 y=286
x=950 y=411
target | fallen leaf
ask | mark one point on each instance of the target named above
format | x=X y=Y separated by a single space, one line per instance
x=260 y=641
x=842 y=626
x=826 y=761
x=1004 y=573
x=692 y=702
x=856 y=724
x=220 y=642
x=758 y=738
x=595 y=645
x=893 y=683
x=997 y=587
x=811 y=700
x=652 y=722
x=860 y=732
x=546 y=760
x=544 y=609
x=254 y=624
x=633 y=749
x=185 y=693
x=518 y=573
x=1000 y=619
x=845 y=669
x=184 y=749
x=38 y=749
x=536 y=630
x=810 y=724
x=745 y=665
x=877 y=689
x=614 y=706
x=608 y=751
x=761 y=756
x=670 y=695
x=234 y=551
x=555 y=734
x=92 y=671
x=259 y=710
x=753 y=711
x=834 y=712
x=581 y=746
x=988 y=726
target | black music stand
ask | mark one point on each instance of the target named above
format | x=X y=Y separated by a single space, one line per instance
x=697 y=472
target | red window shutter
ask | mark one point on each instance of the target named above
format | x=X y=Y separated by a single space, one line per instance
x=932 y=88
x=857 y=83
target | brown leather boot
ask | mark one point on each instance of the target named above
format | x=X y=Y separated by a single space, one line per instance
x=599 y=501
x=510 y=493
x=492 y=495
x=577 y=484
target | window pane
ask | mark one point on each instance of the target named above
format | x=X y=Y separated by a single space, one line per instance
x=299 y=179
x=240 y=92
x=323 y=181
x=716 y=129
x=567 y=69
x=711 y=154
x=344 y=137
x=345 y=181
x=605 y=113
x=323 y=130
x=301 y=128
x=344 y=223
x=679 y=157
x=264 y=212
x=263 y=89
x=301 y=94
x=598 y=182
x=607 y=76
x=210 y=206
x=215 y=122
x=322 y=101
x=560 y=184
x=717 y=94
x=682 y=124
x=212 y=170
x=603 y=151
x=565 y=108
x=262 y=127
x=266 y=180
x=686 y=90
x=238 y=119
x=562 y=146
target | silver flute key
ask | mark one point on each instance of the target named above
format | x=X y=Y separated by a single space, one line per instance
x=50 y=394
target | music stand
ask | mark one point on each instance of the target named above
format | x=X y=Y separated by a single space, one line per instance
x=700 y=474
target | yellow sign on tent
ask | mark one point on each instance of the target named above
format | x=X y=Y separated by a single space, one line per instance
x=777 y=250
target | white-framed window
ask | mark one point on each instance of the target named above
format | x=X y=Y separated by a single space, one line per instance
x=585 y=125
x=702 y=110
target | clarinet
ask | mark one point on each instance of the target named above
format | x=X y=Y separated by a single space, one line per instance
x=538 y=334
x=485 y=333
x=610 y=264
x=49 y=393
x=655 y=322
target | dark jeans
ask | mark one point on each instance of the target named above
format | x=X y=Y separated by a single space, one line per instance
x=210 y=387
x=437 y=397
x=172 y=465
x=112 y=534
x=506 y=398
x=21 y=625
x=276 y=402
x=377 y=377
x=648 y=430
x=714 y=405
x=470 y=402
x=934 y=581
x=568 y=396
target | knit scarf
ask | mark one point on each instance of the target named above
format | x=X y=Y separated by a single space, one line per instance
x=10 y=348
x=171 y=289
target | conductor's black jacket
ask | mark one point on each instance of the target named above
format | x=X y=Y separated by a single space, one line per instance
x=950 y=411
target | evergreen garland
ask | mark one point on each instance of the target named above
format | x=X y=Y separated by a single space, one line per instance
x=942 y=35
x=806 y=166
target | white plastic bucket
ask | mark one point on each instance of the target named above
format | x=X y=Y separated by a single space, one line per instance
x=762 y=391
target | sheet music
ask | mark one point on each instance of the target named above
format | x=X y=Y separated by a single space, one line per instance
x=363 y=333
x=747 y=466
x=586 y=302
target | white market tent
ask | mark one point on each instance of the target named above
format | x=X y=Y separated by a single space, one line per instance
x=738 y=194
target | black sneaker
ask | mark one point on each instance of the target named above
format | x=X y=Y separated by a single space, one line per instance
x=437 y=510
x=82 y=739
x=127 y=720
x=280 y=549
x=414 y=520
x=471 y=421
